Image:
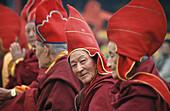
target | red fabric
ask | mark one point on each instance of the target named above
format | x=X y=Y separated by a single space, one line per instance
x=11 y=22
x=58 y=87
x=135 y=96
x=26 y=101
x=136 y=35
x=79 y=34
x=26 y=71
x=30 y=7
x=50 y=19
x=40 y=74
x=23 y=102
x=135 y=32
x=98 y=95
x=80 y=37
x=31 y=16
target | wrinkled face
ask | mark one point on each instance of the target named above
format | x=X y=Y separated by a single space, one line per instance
x=31 y=33
x=112 y=61
x=83 y=66
x=41 y=55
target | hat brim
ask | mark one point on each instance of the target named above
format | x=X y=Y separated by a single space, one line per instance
x=124 y=66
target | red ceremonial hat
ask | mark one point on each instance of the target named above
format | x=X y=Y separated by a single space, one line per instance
x=138 y=30
x=11 y=22
x=80 y=37
x=50 y=22
x=28 y=12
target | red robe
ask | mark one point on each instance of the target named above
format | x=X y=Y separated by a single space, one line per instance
x=97 y=97
x=26 y=71
x=58 y=87
x=25 y=101
x=136 y=96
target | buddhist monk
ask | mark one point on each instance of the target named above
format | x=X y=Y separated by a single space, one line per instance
x=59 y=86
x=89 y=65
x=24 y=68
x=135 y=32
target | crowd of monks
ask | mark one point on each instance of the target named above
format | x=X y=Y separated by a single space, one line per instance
x=52 y=61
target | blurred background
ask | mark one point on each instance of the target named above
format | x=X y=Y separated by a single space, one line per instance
x=95 y=12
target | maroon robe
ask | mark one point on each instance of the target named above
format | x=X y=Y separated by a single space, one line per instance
x=135 y=96
x=97 y=97
x=26 y=71
x=58 y=87
x=25 y=101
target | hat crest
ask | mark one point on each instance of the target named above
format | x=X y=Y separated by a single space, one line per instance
x=28 y=12
x=47 y=20
x=50 y=20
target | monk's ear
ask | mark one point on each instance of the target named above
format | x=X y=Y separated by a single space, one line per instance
x=46 y=50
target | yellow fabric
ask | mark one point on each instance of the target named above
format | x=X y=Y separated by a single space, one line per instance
x=12 y=67
x=167 y=36
x=29 y=46
x=59 y=55
x=8 y=67
x=7 y=59
x=21 y=89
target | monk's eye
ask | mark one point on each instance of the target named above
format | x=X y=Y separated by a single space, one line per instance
x=73 y=65
x=83 y=61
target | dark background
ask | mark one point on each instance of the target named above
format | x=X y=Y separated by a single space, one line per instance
x=108 y=5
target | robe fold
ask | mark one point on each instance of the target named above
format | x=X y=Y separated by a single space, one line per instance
x=25 y=101
x=26 y=71
x=135 y=96
x=97 y=96
x=58 y=87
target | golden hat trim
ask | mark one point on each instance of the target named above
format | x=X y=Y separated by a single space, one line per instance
x=145 y=8
x=78 y=32
x=133 y=33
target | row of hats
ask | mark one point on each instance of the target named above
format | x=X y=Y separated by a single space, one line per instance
x=134 y=36
x=51 y=20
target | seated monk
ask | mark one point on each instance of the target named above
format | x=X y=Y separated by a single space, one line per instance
x=58 y=86
x=89 y=65
x=23 y=68
x=12 y=29
x=135 y=32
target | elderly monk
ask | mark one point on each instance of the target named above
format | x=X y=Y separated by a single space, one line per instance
x=89 y=65
x=9 y=22
x=24 y=68
x=59 y=86
x=135 y=32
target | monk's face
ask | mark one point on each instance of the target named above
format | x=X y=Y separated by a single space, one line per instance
x=112 y=61
x=31 y=33
x=41 y=53
x=83 y=66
